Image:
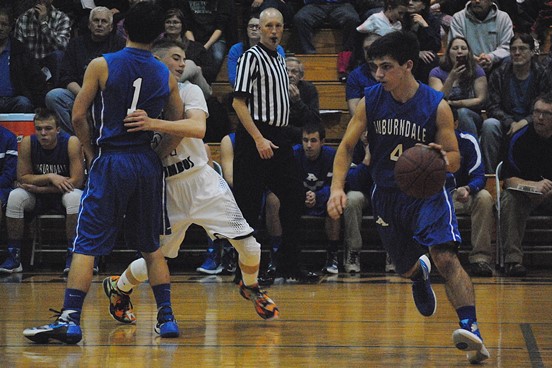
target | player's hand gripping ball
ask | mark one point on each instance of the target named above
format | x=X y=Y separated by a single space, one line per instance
x=420 y=171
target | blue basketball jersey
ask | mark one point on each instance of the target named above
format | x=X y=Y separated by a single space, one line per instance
x=136 y=80
x=54 y=161
x=393 y=127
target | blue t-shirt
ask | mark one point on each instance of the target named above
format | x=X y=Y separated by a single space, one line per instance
x=6 y=86
x=316 y=175
x=357 y=81
x=47 y=161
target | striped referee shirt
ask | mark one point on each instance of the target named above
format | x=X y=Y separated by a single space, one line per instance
x=262 y=76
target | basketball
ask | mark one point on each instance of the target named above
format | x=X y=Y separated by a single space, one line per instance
x=420 y=171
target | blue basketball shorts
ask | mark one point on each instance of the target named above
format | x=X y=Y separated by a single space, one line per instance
x=409 y=226
x=124 y=191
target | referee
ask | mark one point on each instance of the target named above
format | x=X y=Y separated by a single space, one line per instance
x=263 y=154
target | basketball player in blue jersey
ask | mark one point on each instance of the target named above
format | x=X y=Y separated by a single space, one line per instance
x=125 y=183
x=398 y=113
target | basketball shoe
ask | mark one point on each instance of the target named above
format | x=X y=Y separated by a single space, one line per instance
x=166 y=323
x=468 y=338
x=64 y=329
x=120 y=306
x=351 y=263
x=264 y=306
x=12 y=264
x=424 y=296
x=331 y=263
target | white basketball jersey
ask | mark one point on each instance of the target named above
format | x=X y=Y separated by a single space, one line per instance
x=190 y=151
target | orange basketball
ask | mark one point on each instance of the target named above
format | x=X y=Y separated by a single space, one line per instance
x=420 y=171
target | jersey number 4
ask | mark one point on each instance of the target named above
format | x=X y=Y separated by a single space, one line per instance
x=397 y=151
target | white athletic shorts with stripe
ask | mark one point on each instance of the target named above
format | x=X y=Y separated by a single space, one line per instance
x=204 y=198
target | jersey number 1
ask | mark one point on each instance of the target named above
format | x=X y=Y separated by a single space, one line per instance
x=137 y=84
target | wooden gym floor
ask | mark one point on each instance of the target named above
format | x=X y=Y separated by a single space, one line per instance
x=367 y=320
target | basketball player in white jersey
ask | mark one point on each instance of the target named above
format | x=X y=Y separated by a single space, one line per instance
x=196 y=193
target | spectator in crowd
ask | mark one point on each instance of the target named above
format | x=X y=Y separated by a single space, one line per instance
x=80 y=51
x=50 y=173
x=388 y=20
x=252 y=36
x=316 y=170
x=45 y=31
x=427 y=28
x=470 y=197
x=303 y=98
x=22 y=86
x=513 y=88
x=8 y=165
x=361 y=77
x=341 y=14
x=198 y=59
x=206 y=22
x=528 y=168
x=464 y=84
x=487 y=30
x=263 y=154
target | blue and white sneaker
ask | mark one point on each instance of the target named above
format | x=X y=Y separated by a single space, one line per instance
x=468 y=338
x=12 y=264
x=64 y=329
x=424 y=296
x=166 y=323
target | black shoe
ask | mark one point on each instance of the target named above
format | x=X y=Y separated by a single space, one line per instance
x=302 y=277
x=515 y=270
x=481 y=269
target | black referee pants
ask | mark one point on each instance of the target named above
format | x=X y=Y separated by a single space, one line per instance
x=280 y=174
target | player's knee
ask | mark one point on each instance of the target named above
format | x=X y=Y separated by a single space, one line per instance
x=139 y=269
x=71 y=201
x=18 y=201
x=249 y=250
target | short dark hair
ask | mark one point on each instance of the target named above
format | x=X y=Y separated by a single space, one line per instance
x=545 y=97
x=42 y=114
x=7 y=12
x=400 y=45
x=313 y=128
x=144 y=22
x=525 y=38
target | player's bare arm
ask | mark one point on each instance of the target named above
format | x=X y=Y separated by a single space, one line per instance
x=95 y=78
x=342 y=161
x=264 y=146
x=76 y=163
x=445 y=138
x=227 y=160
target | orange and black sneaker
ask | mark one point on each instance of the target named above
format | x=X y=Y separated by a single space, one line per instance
x=264 y=306
x=120 y=306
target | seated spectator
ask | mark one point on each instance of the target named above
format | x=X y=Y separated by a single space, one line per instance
x=470 y=197
x=206 y=23
x=487 y=30
x=529 y=165
x=388 y=20
x=8 y=165
x=464 y=84
x=427 y=28
x=359 y=184
x=361 y=77
x=80 y=51
x=340 y=14
x=198 y=59
x=50 y=173
x=22 y=86
x=513 y=88
x=45 y=31
x=303 y=98
x=252 y=37
x=316 y=168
